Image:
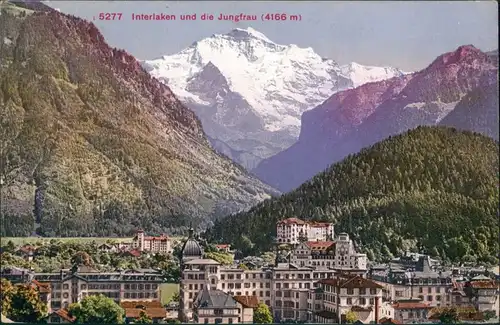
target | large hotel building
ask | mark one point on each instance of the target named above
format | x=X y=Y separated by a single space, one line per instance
x=292 y=290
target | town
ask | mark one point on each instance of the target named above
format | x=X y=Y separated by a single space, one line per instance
x=313 y=276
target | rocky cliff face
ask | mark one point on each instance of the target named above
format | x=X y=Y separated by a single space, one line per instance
x=353 y=119
x=95 y=145
x=477 y=111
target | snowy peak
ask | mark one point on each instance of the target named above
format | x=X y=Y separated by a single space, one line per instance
x=248 y=33
x=244 y=73
x=361 y=74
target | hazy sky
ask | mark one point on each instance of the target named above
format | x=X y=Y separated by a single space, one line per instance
x=405 y=34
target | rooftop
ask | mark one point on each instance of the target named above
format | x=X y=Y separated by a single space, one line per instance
x=411 y=305
x=351 y=283
x=202 y=261
x=64 y=314
x=319 y=245
x=153 y=309
x=214 y=299
x=247 y=301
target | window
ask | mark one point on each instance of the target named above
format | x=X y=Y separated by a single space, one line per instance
x=206 y=320
x=349 y=301
x=372 y=301
x=230 y=321
x=373 y=291
x=350 y=291
x=362 y=301
x=420 y=290
x=429 y=290
x=429 y=298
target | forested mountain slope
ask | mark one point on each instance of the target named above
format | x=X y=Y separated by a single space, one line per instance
x=93 y=145
x=431 y=188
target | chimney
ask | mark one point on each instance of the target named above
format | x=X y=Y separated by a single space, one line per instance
x=376 y=310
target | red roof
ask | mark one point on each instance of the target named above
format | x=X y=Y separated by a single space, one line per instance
x=411 y=305
x=354 y=282
x=291 y=221
x=133 y=252
x=297 y=221
x=319 y=245
x=385 y=320
x=159 y=238
x=153 y=309
x=247 y=301
x=42 y=287
x=64 y=314
x=320 y=224
x=27 y=249
x=484 y=284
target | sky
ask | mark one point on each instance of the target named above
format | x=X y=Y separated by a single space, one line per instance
x=404 y=34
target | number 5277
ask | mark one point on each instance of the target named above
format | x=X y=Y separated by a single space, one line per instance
x=110 y=16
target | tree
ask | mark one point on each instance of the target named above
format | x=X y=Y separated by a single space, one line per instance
x=262 y=314
x=97 y=309
x=81 y=258
x=171 y=271
x=175 y=297
x=143 y=318
x=489 y=314
x=447 y=315
x=351 y=317
x=6 y=291
x=26 y=305
x=10 y=247
x=222 y=258
x=302 y=237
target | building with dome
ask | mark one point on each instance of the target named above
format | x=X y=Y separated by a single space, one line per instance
x=191 y=249
x=287 y=288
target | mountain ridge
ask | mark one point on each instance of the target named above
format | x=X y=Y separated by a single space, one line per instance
x=121 y=152
x=353 y=119
x=273 y=83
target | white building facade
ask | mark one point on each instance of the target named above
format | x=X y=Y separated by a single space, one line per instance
x=154 y=244
x=289 y=231
x=339 y=254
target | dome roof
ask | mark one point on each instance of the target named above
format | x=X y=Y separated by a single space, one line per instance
x=191 y=247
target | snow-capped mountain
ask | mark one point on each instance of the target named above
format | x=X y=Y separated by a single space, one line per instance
x=250 y=92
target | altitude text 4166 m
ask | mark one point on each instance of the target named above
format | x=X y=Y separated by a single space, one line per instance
x=281 y=17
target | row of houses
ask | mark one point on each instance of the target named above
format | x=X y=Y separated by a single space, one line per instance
x=309 y=289
x=134 y=290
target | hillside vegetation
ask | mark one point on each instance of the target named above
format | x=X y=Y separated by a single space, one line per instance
x=92 y=145
x=431 y=189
